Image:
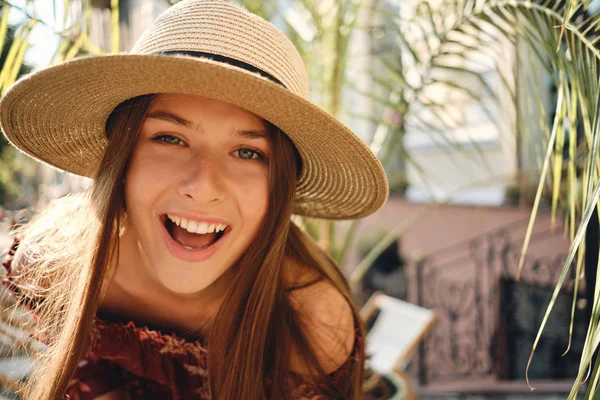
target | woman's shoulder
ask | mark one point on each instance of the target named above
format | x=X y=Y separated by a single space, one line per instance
x=328 y=322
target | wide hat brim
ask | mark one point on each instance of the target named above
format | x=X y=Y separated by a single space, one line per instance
x=58 y=117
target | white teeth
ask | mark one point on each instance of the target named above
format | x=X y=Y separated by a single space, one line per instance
x=192 y=226
x=197 y=227
x=202 y=228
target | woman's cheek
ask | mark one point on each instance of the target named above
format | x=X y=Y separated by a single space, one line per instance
x=159 y=161
x=252 y=177
x=148 y=171
x=248 y=182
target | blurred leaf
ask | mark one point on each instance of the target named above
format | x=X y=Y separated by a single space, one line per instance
x=18 y=62
x=114 y=16
x=66 y=12
x=4 y=26
x=13 y=62
x=74 y=50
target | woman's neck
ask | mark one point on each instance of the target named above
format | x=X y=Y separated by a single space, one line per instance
x=133 y=293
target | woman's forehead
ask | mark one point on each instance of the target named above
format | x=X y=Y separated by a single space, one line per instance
x=191 y=108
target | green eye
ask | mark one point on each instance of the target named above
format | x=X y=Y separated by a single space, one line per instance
x=169 y=139
x=247 y=154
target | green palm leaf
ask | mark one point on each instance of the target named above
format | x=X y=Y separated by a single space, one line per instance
x=576 y=61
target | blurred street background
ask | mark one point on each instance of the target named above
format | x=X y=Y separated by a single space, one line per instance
x=484 y=115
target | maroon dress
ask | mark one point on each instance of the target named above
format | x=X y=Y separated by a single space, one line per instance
x=141 y=363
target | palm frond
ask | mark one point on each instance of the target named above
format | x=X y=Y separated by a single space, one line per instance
x=560 y=38
x=4 y=25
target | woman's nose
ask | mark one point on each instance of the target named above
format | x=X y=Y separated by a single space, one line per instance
x=203 y=181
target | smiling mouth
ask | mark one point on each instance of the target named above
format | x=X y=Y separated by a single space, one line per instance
x=189 y=240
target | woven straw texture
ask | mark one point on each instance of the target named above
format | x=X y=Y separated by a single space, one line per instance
x=57 y=115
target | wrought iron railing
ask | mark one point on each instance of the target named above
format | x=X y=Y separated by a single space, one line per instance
x=462 y=283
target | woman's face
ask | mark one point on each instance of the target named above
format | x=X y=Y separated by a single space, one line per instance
x=196 y=189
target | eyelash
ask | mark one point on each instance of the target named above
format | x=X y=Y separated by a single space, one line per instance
x=160 y=137
x=260 y=155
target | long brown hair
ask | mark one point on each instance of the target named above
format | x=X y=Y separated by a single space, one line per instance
x=68 y=280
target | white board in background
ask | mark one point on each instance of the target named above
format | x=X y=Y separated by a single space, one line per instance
x=396 y=333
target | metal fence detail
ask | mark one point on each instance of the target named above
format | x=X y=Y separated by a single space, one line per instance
x=462 y=283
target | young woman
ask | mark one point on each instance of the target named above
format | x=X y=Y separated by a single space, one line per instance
x=179 y=274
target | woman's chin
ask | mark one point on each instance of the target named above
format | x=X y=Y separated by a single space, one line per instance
x=184 y=288
x=192 y=283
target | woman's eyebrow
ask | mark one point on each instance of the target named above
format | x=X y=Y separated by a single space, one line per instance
x=250 y=134
x=169 y=117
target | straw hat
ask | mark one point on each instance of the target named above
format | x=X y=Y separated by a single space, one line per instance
x=202 y=47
